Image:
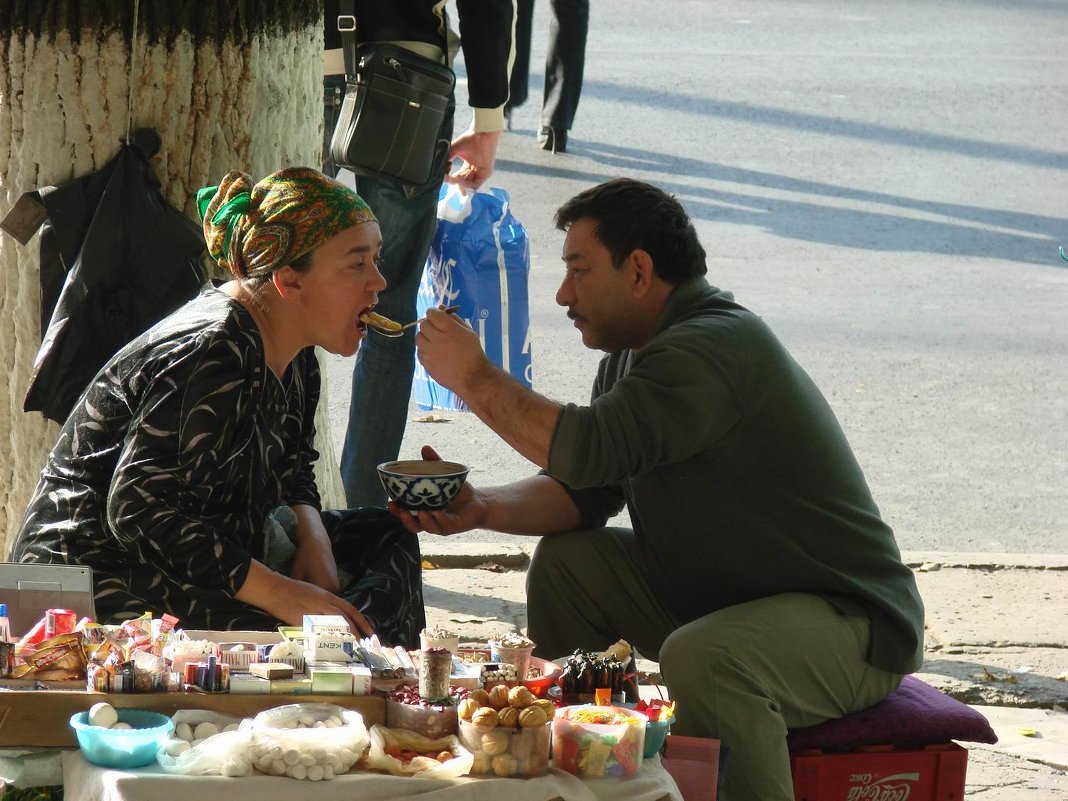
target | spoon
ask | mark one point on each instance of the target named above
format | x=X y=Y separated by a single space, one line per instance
x=380 y=328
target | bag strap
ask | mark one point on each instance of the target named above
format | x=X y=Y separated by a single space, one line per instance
x=346 y=25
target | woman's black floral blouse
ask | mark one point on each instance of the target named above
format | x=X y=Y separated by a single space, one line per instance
x=167 y=467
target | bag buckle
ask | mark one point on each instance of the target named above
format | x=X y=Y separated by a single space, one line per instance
x=346 y=23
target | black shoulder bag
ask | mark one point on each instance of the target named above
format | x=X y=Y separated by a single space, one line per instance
x=395 y=105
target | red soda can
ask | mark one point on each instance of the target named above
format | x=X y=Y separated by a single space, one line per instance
x=59 y=621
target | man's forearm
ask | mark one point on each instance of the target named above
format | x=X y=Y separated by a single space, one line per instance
x=534 y=506
x=519 y=416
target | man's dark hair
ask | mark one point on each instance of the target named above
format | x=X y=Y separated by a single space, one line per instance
x=630 y=215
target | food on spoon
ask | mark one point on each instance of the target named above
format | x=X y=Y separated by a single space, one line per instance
x=376 y=320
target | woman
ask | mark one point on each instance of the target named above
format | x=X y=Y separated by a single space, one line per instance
x=167 y=469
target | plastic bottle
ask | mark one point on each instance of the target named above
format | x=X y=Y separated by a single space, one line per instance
x=5 y=625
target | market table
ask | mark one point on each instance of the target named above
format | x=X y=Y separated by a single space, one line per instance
x=84 y=781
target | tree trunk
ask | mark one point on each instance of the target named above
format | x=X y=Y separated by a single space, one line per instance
x=228 y=85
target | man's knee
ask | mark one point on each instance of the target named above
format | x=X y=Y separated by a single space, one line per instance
x=551 y=554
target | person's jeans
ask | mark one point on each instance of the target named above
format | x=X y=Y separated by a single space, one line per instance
x=382 y=376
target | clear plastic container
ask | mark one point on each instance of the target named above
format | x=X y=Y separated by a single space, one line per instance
x=504 y=751
x=594 y=750
x=429 y=721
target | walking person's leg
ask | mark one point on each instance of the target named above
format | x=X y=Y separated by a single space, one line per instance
x=564 y=64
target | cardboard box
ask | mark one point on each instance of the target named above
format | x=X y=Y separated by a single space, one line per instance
x=42 y=717
x=931 y=773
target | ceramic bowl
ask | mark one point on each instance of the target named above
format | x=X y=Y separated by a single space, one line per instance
x=420 y=484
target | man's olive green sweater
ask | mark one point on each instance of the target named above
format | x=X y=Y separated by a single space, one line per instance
x=738 y=478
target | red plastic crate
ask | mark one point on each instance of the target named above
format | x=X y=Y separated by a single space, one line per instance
x=881 y=773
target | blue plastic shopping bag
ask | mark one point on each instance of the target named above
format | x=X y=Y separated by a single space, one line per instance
x=479 y=261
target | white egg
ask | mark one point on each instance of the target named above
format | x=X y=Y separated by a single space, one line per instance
x=176 y=747
x=319 y=725
x=278 y=767
x=291 y=756
x=205 y=730
x=120 y=725
x=333 y=723
x=184 y=731
x=328 y=773
x=315 y=773
x=103 y=714
x=232 y=727
x=306 y=720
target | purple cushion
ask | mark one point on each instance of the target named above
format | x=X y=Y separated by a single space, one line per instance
x=914 y=714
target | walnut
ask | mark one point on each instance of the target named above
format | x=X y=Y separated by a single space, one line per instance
x=505 y=765
x=546 y=706
x=520 y=697
x=484 y=717
x=532 y=716
x=466 y=708
x=495 y=741
x=498 y=696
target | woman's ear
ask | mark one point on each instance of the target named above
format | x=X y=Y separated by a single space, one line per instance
x=286 y=281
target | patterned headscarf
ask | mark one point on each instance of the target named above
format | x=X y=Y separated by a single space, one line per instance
x=254 y=230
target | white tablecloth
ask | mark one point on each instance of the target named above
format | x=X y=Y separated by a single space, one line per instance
x=84 y=781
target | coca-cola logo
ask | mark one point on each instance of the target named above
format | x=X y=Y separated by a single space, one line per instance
x=888 y=788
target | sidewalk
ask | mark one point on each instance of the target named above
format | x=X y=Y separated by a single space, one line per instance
x=997 y=639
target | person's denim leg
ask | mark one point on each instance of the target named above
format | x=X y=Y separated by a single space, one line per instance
x=382 y=376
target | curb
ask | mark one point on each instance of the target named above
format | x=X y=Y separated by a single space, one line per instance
x=517 y=557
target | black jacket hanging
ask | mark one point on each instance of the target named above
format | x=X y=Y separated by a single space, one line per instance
x=116 y=258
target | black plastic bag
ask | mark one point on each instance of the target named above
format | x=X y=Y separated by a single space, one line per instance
x=116 y=258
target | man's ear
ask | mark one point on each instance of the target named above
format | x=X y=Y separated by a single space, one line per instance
x=644 y=272
x=286 y=280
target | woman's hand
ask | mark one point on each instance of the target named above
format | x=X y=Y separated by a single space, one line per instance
x=290 y=600
x=302 y=598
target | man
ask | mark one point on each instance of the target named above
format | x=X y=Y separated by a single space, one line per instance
x=758 y=571
x=382 y=376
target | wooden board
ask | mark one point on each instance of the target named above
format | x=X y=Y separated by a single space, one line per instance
x=42 y=717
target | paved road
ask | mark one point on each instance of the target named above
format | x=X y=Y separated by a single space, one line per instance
x=887 y=185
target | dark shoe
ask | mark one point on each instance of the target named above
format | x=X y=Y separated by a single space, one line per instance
x=507 y=118
x=552 y=139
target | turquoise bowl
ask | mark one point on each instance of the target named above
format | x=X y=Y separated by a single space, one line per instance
x=123 y=748
x=655 y=734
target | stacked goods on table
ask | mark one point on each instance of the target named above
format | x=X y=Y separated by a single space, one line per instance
x=448 y=712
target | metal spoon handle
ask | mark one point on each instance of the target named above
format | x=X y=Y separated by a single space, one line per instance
x=447 y=310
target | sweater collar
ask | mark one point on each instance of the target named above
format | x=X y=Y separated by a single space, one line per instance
x=684 y=296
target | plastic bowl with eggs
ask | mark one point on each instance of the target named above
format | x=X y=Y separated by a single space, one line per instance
x=120 y=738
